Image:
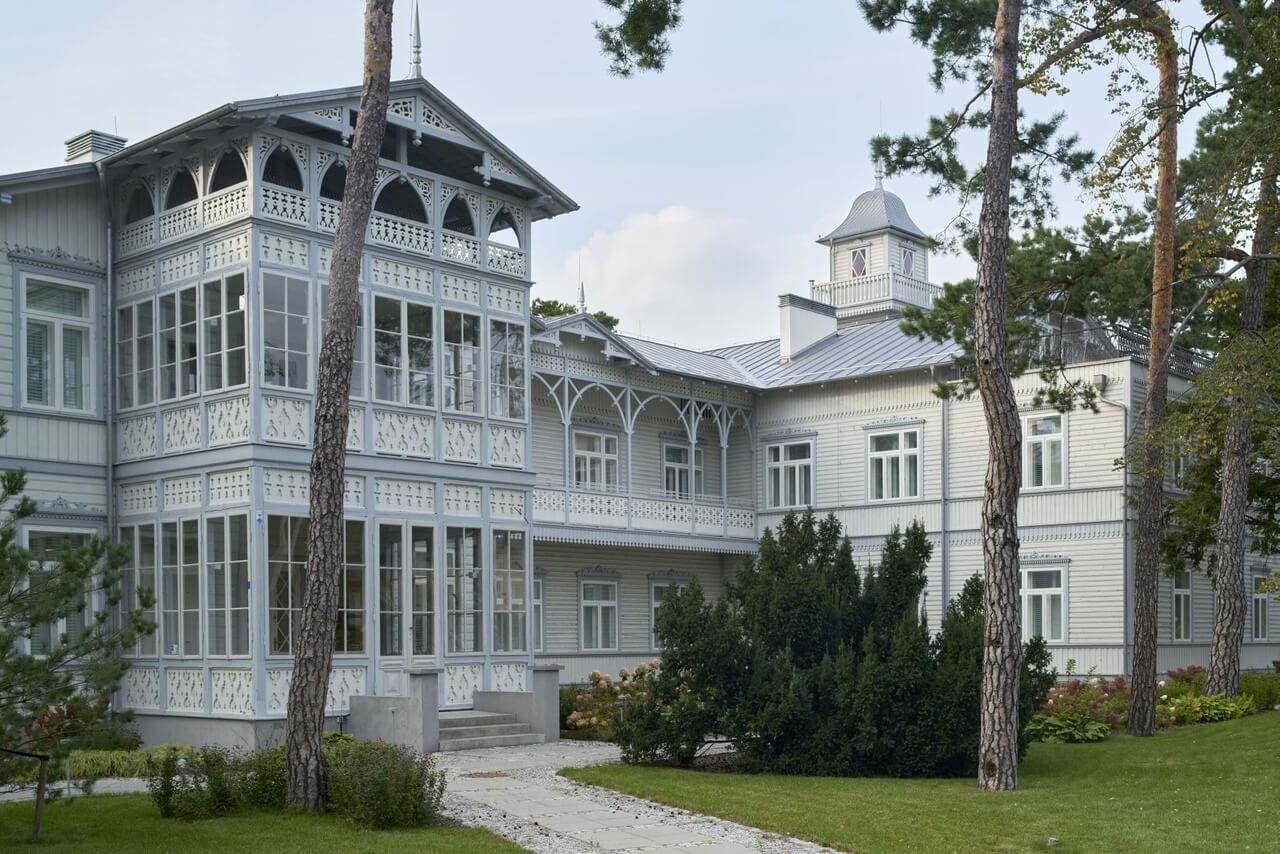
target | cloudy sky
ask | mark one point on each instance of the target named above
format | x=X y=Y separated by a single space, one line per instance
x=702 y=188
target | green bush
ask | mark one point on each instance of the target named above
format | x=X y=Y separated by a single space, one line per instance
x=1263 y=688
x=383 y=785
x=1205 y=709
x=177 y=786
x=261 y=779
x=1066 y=728
x=568 y=700
x=117 y=732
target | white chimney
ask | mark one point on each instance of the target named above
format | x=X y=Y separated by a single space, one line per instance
x=93 y=145
x=802 y=322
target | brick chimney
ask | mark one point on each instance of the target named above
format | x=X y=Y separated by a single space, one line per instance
x=93 y=145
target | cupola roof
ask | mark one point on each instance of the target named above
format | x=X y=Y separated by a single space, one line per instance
x=875 y=210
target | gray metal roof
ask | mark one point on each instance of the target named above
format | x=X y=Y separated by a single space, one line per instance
x=875 y=210
x=690 y=363
x=859 y=351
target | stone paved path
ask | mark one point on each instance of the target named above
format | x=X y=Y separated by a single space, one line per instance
x=516 y=793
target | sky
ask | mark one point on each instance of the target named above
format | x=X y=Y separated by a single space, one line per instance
x=702 y=189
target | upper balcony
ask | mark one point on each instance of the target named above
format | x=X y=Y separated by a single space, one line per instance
x=661 y=512
x=876 y=296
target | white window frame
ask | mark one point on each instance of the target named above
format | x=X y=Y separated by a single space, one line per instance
x=454 y=353
x=268 y=382
x=693 y=473
x=537 y=626
x=225 y=613
x=404 y=374
x=1044 y=441
x=1044 y=592
x=1182 y=629
x=292 y=565
x=865 y=253
x=132 y=345
x=457 y=607
x=883 y=459
x=225 y=318
x=180 y=329
x=510 y=574
x=602 y=456
x=131 y=535
x=788 y=470
x=508 y=371
x=668 y=584
x=1259 y=610
x=909 y=261
x=86 y=323
x=360 y=374
x=181 y=610
x=58 y=628
x=598 y=606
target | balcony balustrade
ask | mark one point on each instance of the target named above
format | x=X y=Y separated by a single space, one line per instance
x=700 y=515
x=875 y=293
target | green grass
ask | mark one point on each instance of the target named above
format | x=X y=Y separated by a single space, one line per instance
x=131 y=823
x=1210 y=787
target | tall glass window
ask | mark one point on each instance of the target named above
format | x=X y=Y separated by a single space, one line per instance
x=404 y=369
x=677 y=474
x=506 y=369
x=179 y=344
x=224 y=332
x=286 y=331
x=422 y=581
x=227 y=576
x=180 y=588
x=58 y=340
x=358 y=350
x=136 y=355
x=1260 y=601
x=349 y=630
x=1182 y=606
x=286 y=571
x=390 y=590
x=461 y=362
x=464 y=590
x=510 y=604
x=536 y=614
x=599 y=607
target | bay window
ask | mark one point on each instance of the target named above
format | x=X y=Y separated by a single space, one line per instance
x=1043 y=452
x=57 y=332
x=464 y=590
x=1043 y=599
x=224 y=332
x=1182 y=605
x=595 y=460
x=461 y=362
x=506 y=369
x=286 y=331
x=403 y=363
x=599 y=609
x=136 y=354
x=226 y=544
x=789 y=473
x=509 y=602
x=893 y=465
x=179 y=344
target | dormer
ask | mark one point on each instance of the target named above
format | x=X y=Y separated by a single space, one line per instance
x=879 y=260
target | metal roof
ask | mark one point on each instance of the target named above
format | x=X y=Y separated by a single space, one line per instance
x=691 y=363
x=875 y=210
x=858 y=351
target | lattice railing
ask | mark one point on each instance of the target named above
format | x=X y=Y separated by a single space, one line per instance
x=328 y=214
x=226 y=205
x=400 y=233
x=503 y=259
x=460 y=248
x=136 y=237
x=867 y=293
x=283 y=204
x=711 y=516
x=179 y=221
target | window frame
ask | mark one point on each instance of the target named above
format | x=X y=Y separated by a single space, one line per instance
x=537 y=624
x=181 y=523
x=501 y=362
x=360 y=359
x=56 y=630
x=1181 y=608
x=783 y=466
x=599 y=605
x=505 y=574
x=136 y=383
x=900 y=454
x=1028 y=442
x=1059 y=591
x=454 y=578
x=87 y=323
x=290 y=561
x=602 y=455
x=267 y=384
x=227 y=608
x=677 y=582
x=404 y=373
x=693 y=472
x=1259 y=609
x=224 y=351
x=865 y=252
x=457 y=350
x=147 y=647
x=908 y=252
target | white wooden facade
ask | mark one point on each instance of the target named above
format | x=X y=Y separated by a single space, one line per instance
x=519 y=491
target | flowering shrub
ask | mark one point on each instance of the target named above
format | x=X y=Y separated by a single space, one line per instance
x=1194 y=709
x=602 y=701
x=1185 y=674
x=1099 y=700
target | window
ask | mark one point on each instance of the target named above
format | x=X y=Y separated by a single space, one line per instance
x=893 y=465
x=421 y=580
x=790 y=474
x=136 y=355
x=226 y=543
x=423 y=583
x=464 y=590
x=390 y=590
x=509 y=603
x=506 y=369
x=286 y=570
x=599 y=615
x=536 y=600
x=403 y=364
x=58 y=335
x=858 y=262
x=908 y=261
x=461 y=362
x=140 y=574
x=595 y=461
x=1260 y=600
x=1042 y=605
x=358 y=356
x=286 y=332
x=677 y=473
x=348 y=636
x=179 y=348
x=1179 y=465
x=47 y=549
x=224 y=336
x=1043 y=452
x=1182 y=605
x=180 y=588
x=658 y=591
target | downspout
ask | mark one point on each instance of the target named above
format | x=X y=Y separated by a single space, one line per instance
x=109 y=367
x=943 y=522
x=1127 y=640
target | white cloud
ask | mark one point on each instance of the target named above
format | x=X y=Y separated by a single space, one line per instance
x=689 y=277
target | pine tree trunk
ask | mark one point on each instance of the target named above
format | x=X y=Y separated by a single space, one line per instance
x=1146 y=573
x=1002 y=652
x=1230 y=606
x=309 y=686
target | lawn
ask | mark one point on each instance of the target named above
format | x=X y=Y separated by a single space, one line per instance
x=1210 y=787
x=131 y=823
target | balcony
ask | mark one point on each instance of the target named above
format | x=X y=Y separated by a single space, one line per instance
x=879 y=294
x=702 y=516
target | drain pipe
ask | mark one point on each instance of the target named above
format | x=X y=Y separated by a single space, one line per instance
x=109 y=363
x=1100 y=382
x=942 y=509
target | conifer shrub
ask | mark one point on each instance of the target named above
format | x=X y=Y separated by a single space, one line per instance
x=810 y=665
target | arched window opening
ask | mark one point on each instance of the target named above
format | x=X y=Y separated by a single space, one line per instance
x=228 y=172
x=334 y=182
x=503 y=230
x=399 y=198
x=140 y=206
x=182 y=189
x=457 y=217
x=282 y=170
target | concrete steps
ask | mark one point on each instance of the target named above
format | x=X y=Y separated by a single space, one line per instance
x=471 y=730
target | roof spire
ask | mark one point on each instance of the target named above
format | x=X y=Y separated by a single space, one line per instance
x=879 y=164
x=582 y=298
x=415 y=47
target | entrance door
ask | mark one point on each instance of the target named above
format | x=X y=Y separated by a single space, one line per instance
x=406 y=601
